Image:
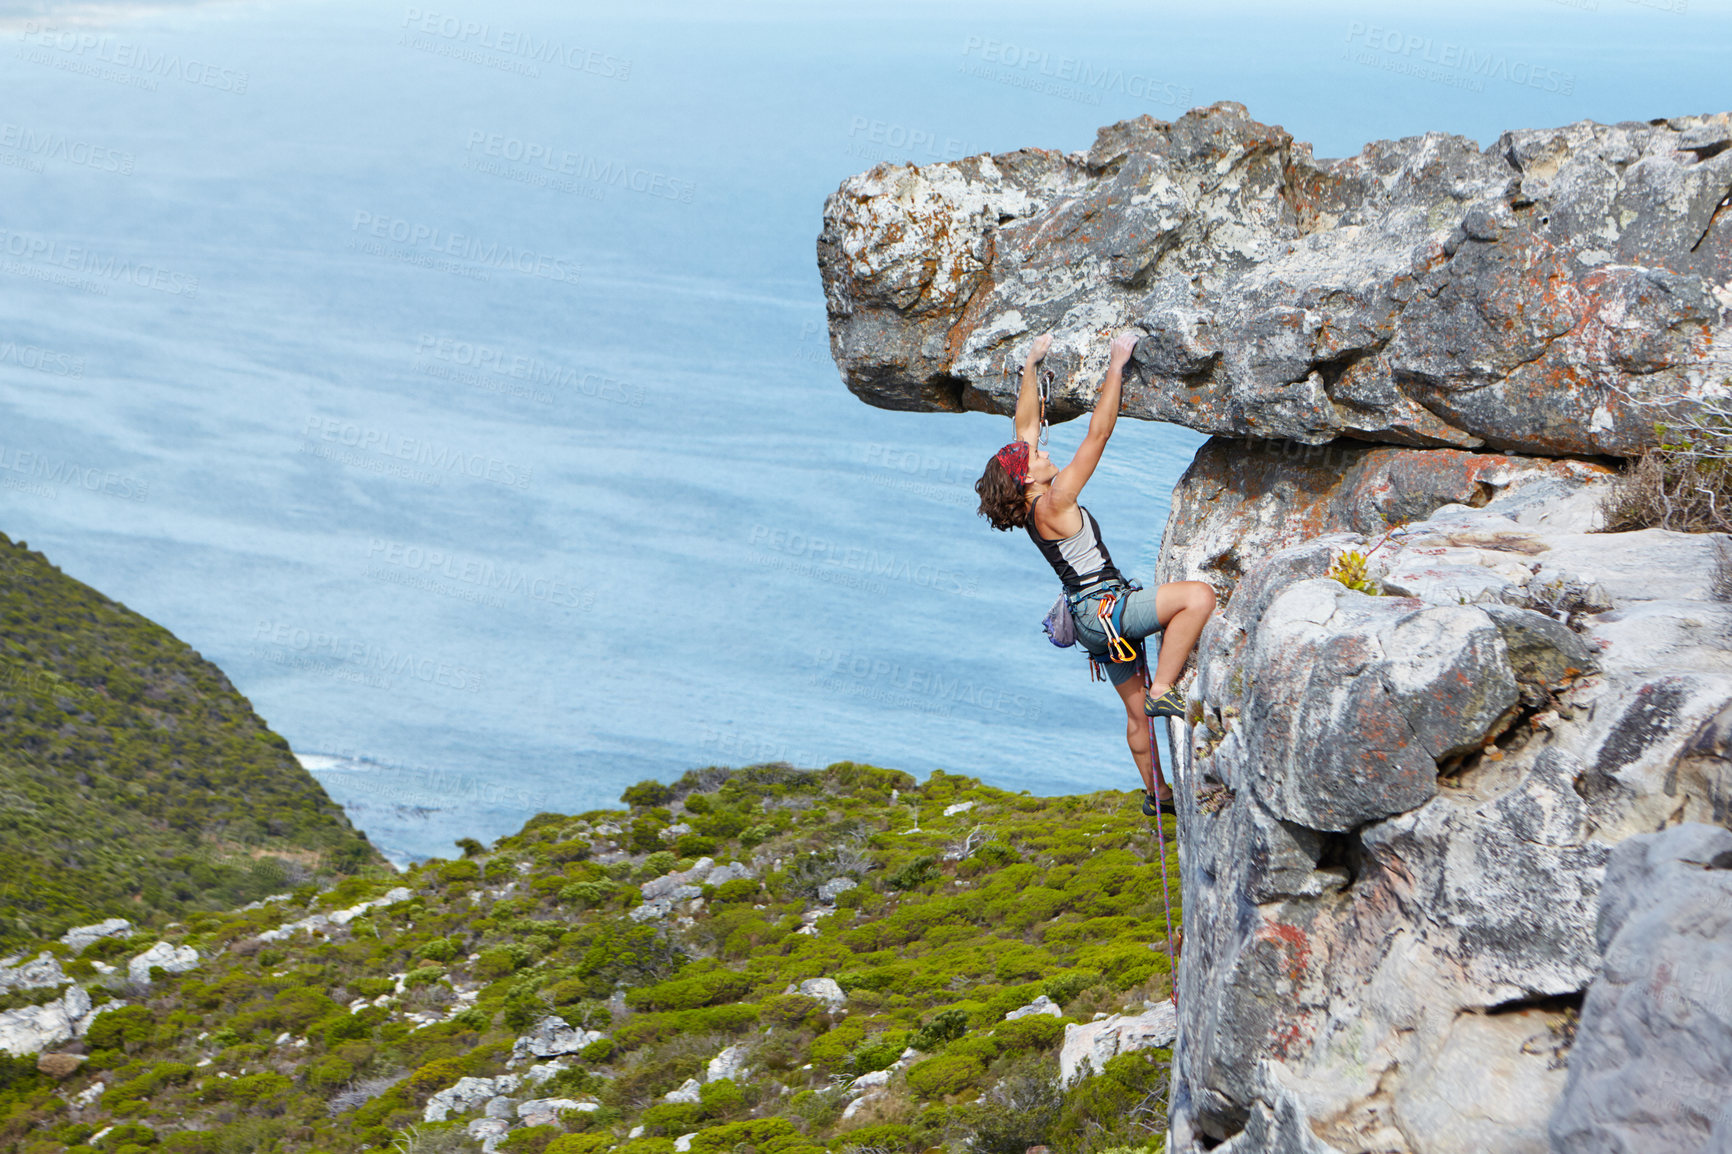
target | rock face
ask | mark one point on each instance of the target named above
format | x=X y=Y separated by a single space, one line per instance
x=1397 y=813
x=1425 y=292
x=1417 y=829
x=1652 y=1062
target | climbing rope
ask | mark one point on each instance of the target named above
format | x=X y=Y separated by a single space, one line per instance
x=1161 y=837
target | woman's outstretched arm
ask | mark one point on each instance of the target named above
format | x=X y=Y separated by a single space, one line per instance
x=1068 y=484
x=1028 y=400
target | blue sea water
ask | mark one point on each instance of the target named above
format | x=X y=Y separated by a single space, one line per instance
x=455 y=375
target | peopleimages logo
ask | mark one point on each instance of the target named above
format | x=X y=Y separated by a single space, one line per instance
x=76 y=258
x=481 y=34
x=57 y=146
x=1040 y=70
x=557 y=161
x=1428 y=58
x=428 y=454
x=530 y=370
x=85 y=47
x=468 y=248
x=41 y=360
x=824 y=556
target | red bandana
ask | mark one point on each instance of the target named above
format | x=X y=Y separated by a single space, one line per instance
x=1014 y=458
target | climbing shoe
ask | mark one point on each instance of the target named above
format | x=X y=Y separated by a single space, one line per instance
x=1154 y=806
x=1168 y=704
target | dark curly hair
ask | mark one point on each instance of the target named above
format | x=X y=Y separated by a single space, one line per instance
x=1001 y=497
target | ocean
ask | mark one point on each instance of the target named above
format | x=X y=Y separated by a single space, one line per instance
x=457 y=379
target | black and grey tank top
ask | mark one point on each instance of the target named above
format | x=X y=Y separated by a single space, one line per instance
x=1081 y=559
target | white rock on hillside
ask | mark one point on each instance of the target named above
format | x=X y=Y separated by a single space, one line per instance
x=545 y=1111
x=1118 y=1034
x=835 y=888
x=39 y=972
x=174 y=959
x=80 y=936
x=337 y=917
x=1041 y=1005
x=730 y=1064
x=32 y=1029
x=466 y=1095
x=665 y=885
x=824 y=989
x=959 y=807
x=687 y=1093
x=490 y=1132
x=552 y=1036
x=684 y=1142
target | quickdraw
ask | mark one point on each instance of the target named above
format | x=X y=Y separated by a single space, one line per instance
x=1119 y=650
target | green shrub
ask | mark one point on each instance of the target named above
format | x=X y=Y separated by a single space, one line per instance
x=1061 y=988
x=497 y=962
x=721 y=1098
x=1019 y=1111
x=529 y=1140
x=597 y=1052
x=585 y=895
x=914 y=874
x=737 y=890
x=658 y=863
x=438 y=950
x=329 y=1072
x=1124 y=1105
x=695 y=845
x=456 y=872
x=433 y=1077
x=944 y=1075
x=789 y=1010
x=687 y=993
x=672 y=1117
x=945 y=1026
x=1035 y=1032
x=576 y=849
x=423 y=976
x=766 y=1134
x=591 y=1143
x=647 y=794
x=125 y=1028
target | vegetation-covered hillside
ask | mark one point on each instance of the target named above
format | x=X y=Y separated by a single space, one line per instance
x=932 y=926
x=134 y=781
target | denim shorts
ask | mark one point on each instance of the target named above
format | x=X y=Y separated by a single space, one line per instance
x=1139 y=621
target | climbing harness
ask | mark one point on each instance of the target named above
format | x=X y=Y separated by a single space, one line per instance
x=1161 y=842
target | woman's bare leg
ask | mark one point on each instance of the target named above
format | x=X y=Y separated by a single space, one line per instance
x=1183 y=608
x=1137 y=737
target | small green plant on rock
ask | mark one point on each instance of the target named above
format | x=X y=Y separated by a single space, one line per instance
x=1352 y=569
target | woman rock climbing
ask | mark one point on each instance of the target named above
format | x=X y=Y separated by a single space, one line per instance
x=1023 y=488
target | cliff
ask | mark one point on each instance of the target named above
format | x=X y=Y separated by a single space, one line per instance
x=1418 y=823
x=136 y=781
